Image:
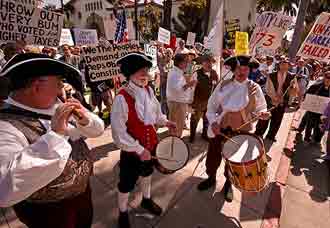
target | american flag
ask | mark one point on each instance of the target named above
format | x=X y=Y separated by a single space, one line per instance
x=121 y=30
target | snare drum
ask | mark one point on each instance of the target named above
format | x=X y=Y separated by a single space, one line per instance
x=172 y=154
x=247 y=162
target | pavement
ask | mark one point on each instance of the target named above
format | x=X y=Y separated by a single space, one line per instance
x=184 y=207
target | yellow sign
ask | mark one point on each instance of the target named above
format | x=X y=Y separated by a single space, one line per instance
x=242 y=43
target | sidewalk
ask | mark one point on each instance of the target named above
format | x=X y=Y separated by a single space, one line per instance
x=184 y=206
x=306 y=201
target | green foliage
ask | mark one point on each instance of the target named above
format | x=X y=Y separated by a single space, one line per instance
x=191 y=18
x=149 y=23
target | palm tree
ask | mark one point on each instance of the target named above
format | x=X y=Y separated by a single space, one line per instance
x=167 y=17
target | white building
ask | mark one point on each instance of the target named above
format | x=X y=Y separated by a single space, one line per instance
x=99 y=15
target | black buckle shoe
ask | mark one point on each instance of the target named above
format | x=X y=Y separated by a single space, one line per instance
x=151 y=206
x=123 y=221
x=207 y=184
x=228 y=192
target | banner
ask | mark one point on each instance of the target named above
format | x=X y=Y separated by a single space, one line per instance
x=214 y=40
x=26 y=22
x=268 y=33
x=314 y=103
x=317 y=44
x=66 y=38
x=151 y=51
x=85 y=37
x=164 y=36
x=101 y=60
x=242 y=43
x=191 y=39
x=231 y=27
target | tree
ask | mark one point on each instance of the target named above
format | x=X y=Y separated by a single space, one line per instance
x=167 y=14
x=149 y=22
x=191 y=19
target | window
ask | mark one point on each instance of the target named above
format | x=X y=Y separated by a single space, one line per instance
x=101 y=5
x=86 y=7
x=79 y=15
x=95 y=6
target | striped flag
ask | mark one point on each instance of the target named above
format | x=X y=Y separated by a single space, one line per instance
x=121 y=34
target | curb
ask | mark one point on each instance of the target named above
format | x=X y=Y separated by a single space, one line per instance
x=272 y=214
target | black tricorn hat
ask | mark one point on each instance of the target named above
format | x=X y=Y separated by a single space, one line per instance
x=240 y=60
x=23 y=67
x=133 y=62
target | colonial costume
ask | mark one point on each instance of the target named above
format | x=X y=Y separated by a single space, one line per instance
x=206 y=83
x=135 y=114
x=44 y=175
x=231 y=105
x=279 y=86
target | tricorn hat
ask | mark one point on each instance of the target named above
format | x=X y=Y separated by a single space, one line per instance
x=23 y=67
x=133 y=62
x=240 y=60
x=207 y=55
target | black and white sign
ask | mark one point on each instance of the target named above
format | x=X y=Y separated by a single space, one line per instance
x=85 y=37
x=26 y=22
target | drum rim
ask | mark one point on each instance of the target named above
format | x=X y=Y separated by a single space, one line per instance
x=188 y=151
x=263 y=152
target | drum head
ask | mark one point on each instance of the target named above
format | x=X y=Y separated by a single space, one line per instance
x=248 y=149
x=172 y=153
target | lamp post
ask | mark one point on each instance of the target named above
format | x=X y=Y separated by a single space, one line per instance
x=136 y=19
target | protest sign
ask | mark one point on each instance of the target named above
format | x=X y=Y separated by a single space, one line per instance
x=19 y=21
x=314 y=103
x=242 y=43
x=151 y=51
x=85 y=37
x=231 y=27
x=66 y=37
x=268 y=33
x=191 y=39
x=164 y=36
x=317 y=44
x=101 y=60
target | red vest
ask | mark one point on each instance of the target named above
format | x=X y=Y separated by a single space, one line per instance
x=145 y=134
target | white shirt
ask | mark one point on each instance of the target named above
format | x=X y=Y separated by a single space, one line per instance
x=233 y=97
x=175 y=83
x=148 y=110
x=26 y=168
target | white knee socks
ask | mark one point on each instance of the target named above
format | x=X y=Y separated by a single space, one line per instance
x=146 y=187
x=123 y=201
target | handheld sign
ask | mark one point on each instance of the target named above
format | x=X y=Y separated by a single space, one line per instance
x=314 y=103
x=151 y=51
x=191 y=39
x=85 y=36
x=242 y=43
x=26 y=22
x=101 y=60
x=268 y=34
x=231 y=27
x=66 y=38
x=164 y=36
x=317 y=44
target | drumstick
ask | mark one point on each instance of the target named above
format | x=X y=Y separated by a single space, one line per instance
x=165 y=159
x=231 y=140
x=172 y=145
x=74 y=112
x=253 y=119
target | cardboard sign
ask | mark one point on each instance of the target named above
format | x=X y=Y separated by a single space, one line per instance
x=66 y=37
x=191 y=39
x=151 y=51
x=314 y=103
x=268 y=34
x=85 y=37
x=19 y=21
x=317 y=44
x=231 y=27
x=101 y=60
x=164 y=36
x=242 y=43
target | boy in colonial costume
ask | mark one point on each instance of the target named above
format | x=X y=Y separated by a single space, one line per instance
x=233 y=103
x=135 y=114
